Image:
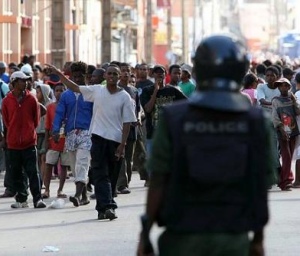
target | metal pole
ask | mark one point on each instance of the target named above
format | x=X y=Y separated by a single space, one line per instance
x=185 y=32
x=169 y=29
x=106 y=31
x=149 y=37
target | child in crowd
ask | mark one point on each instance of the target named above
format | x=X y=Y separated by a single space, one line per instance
x=284 y=112
x=55 y=148
x=43 y=97
x=249 y=87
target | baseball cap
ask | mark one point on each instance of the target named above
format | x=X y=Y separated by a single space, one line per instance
x=27 y=69
x=158 y=67
x=53 y=80
x=283 y=80
x=3 y=64
x=287 y=71
x=187 y=68
x=18 y=74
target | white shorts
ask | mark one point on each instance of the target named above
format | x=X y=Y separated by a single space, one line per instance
x=53 y=156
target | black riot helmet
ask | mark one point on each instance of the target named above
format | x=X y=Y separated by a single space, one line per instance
x=220 y=64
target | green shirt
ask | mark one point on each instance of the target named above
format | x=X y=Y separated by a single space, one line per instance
x=187 y=88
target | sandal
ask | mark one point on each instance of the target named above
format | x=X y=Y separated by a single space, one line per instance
x=60 y=194
x=74 y=200
x=84 y=201
x=46 y=195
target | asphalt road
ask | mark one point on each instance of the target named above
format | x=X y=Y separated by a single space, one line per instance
x=76 y=231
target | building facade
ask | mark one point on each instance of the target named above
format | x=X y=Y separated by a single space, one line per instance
x=56 y=31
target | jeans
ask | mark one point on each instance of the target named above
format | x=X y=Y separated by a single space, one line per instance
x=8 y=181
x=105 y=170
x=24 y=160
x=126 y=170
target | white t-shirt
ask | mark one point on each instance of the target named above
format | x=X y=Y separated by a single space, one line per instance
x=110 y=111
x=264 y=92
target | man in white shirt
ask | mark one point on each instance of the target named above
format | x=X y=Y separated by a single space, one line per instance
x=113 y=112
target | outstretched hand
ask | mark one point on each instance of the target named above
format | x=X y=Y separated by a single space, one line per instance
x=50 y=69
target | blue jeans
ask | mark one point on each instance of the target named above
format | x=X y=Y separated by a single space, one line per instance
x=105 y=171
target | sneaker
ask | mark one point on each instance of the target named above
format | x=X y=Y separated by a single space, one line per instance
x=124 y=191
x=40 y=204
x=84 y=201
x=19 y=205
x=101 y=216
x=110 y=214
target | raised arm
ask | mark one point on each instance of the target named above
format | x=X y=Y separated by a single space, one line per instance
x=66 y=81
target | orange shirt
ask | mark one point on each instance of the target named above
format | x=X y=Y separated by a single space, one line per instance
x=48 y=125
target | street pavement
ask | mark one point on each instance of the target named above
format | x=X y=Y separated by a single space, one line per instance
x=76 y=231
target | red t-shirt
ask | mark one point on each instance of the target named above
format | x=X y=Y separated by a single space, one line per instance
x=48 y=125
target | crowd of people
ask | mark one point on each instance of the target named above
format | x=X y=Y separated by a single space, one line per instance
x=274 y=86
x=99 y=132
x=100 y=142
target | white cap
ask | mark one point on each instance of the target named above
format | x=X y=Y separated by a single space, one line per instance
x=187 y=68
x=27 y=69
x=18 y=74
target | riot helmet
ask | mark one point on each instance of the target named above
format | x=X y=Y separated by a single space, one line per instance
x=221 y=57
x=220 y=64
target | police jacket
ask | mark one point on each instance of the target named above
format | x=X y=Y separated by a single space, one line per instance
x=219 y=182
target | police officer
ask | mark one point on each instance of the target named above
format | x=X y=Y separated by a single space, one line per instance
x=210 y=163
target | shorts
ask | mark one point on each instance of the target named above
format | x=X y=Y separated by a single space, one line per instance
x=41 y=144
x=53 y=156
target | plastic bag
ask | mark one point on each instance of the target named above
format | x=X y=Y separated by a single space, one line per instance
x=57 y=204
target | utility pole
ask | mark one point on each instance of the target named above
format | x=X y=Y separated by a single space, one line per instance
x=169 y=29
x=185 y=32
x=106 y=31
x=149 y=34
x=58 y=52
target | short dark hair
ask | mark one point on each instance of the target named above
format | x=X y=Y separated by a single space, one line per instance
x=117 y=63
x=38 y=67
x=90 y=69
x=248 y=80
x=273 y=69
x=297 y=77
x=279 y=68
x=261 y=69
x=172 y=67
x=114 y=66
x=78 y=66
x=267 y=63
x=125 y=64
x=59 y=84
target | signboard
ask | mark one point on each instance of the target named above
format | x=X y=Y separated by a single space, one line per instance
x=163 y=3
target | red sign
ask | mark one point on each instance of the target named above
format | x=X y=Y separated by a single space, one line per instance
x=164 y=3
x=26 y=22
